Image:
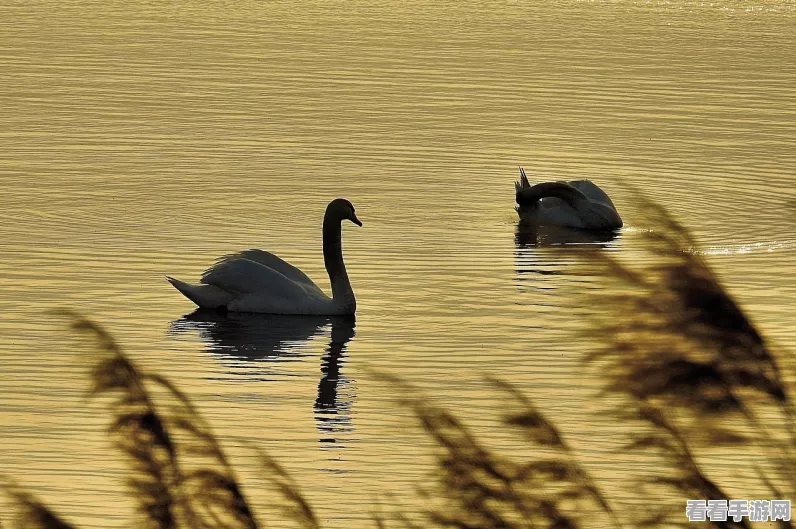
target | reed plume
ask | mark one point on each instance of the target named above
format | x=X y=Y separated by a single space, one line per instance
x=293 y=505
x=30 y=513
x=483 y=489
x=138 y=431
x=208 y=484
x=678 y=336
x=687 y=362
x=180 y=475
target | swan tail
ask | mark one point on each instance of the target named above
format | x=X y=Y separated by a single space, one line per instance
x=523 y=183
x=205 y=296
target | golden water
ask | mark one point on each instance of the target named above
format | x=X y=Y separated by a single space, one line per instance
x=139 y=139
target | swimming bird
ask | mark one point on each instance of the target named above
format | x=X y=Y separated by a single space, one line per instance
x=259 y=281
x=574 y=204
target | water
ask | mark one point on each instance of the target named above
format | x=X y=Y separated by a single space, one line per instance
x=140 y=140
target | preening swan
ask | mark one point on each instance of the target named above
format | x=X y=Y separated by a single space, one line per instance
x=574 y=204
x=259 y=281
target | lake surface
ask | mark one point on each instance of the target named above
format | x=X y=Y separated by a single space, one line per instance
x=144 y=139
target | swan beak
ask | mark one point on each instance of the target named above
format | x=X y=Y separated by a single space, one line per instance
x=356 y=221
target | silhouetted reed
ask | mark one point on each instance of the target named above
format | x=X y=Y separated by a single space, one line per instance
x=29 y=512
x=687 y=366
x=188 y=483
x=137 y=430
x=478 y=488
x=180 y=476
x=294 y=506
x=681 y=357
x=682 y=338
x=676 y=340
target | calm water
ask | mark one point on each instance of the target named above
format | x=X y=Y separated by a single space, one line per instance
x=140 y=139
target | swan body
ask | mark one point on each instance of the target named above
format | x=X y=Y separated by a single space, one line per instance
x=574 y=204
x=259 y=281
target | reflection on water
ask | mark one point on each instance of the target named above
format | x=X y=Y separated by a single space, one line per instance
x=536 y=248
x=335 y=391
x=266 y=339
x=542 y=236
x=247 y=336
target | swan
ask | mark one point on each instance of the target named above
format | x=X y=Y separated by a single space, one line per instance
x=259 y=281
x=574 y=204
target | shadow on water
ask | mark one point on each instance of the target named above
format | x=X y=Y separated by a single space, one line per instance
x=267 y=338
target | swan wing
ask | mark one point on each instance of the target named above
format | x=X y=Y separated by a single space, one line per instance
x=602 y=213
x=244 y=276
x=592 y=191
x=275 y=263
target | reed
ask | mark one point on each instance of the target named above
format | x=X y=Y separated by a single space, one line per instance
x=179 y=475
x=478 y=488
x=686 y=364
x=689 y=371
x=29 y=512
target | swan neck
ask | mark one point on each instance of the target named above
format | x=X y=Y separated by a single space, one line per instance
x=333 y=259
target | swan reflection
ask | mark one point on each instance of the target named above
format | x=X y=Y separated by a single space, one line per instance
x=535 y=247
x=265 y=339
x=549 y=236
x=335 y=391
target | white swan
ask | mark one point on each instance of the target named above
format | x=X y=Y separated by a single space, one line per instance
x=575 y=204
x=259 y=281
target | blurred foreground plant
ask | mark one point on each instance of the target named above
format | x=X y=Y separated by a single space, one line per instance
x=690 y=372
x=179 y=475
x=689 y=367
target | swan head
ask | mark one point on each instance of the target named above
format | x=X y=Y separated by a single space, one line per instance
x=341 y=209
